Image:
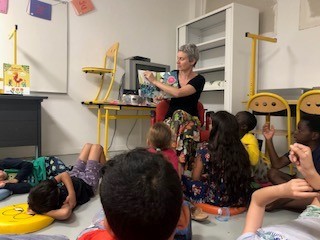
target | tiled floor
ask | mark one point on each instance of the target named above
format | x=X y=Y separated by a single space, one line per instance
x=211 y=229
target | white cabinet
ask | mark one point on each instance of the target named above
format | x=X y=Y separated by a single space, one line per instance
x=224 y=54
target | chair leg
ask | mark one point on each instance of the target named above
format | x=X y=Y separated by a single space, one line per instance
x=100 y=88
x=110 y=87
x=152 y=117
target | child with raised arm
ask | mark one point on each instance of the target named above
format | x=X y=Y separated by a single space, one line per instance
x=79 y=185
x=159 y=140
x=307 y=133
x=307 y=225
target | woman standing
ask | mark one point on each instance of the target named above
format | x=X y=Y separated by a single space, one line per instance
x=182 y=115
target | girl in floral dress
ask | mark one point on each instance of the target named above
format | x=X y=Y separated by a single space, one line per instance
x=221 y=175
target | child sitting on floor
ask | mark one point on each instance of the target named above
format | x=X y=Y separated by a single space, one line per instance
x=247 y=122
x=307 y=225
x=79 y=186
x=141 y=197
x=221 y=174
x=159 y=140
x=308 y=134
x=260 y=164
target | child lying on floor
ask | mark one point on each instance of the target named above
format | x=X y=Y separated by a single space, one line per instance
x=79 y=185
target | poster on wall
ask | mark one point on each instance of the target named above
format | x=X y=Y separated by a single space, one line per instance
x=41 y=44
x=3 y=6
x=82 y=6
x=40 y=9
x=16 y=79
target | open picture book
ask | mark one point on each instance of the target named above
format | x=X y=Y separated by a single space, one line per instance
x=149 y=90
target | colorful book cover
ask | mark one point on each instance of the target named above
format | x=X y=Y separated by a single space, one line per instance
x=148 y=90
x=16 y=79
x=40 y=9
x=4 y=6
x=82 y=6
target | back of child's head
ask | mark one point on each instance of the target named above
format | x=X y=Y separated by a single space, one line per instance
x=44 y=197
x=246 y=118
x=225 y=128
x=141 y=195
x=228 y=156
x=159 y=136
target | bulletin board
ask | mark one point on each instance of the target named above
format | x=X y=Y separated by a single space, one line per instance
x=41 y=44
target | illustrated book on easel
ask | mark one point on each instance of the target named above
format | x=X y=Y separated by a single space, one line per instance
x=16 y=79
x=149 y=90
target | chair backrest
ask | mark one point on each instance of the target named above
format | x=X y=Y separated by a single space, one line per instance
x=271 y=103
x=163 y=106
x=267 y=103
x=201 y=113
x=112 y=55
x=161 y=110
x=309 y=102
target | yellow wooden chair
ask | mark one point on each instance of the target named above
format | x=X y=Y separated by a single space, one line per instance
x=110 y=56
x=270 y=103
x=309 y=102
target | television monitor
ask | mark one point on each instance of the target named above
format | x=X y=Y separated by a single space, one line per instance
x=130 y=85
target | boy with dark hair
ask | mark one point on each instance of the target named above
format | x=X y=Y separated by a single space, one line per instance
x=307 y=133
x=247 y=122
x=141 y=197
x=79 y=185
x=260 y=164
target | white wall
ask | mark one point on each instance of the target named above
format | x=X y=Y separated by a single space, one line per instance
x=148 y=28
x=143 y=27
x=294 y=60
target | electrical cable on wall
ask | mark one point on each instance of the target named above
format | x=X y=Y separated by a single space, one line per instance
x=135 y=122
x=114 y=133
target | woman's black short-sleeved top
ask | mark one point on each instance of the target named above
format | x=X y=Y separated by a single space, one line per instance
x=188 y=103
